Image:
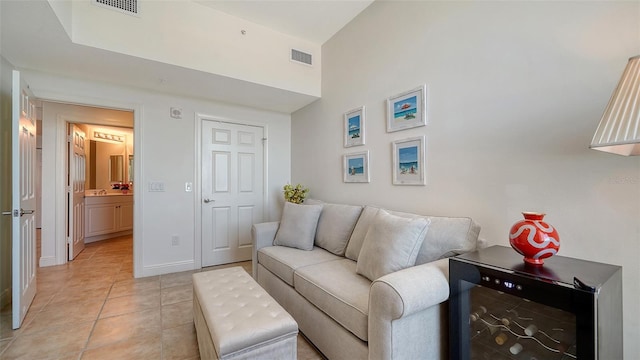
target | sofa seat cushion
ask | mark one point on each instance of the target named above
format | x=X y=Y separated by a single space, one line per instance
x=336 y=289
x=282 y=261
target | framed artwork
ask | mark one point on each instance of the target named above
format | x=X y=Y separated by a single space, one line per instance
x=356 y=167
x=354 y=127
x=409 y=165
x=407 y=110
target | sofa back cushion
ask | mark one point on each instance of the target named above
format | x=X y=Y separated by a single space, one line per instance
x=360 y=231
x=335 y=226
x=447 y=236
x=298 y=226
x=311 y=201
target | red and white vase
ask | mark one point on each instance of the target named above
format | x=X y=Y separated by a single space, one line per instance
x=534 y=238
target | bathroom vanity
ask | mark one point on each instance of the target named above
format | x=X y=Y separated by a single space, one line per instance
x=108 y=215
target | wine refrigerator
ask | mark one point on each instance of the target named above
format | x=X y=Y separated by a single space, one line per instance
x=502 y=308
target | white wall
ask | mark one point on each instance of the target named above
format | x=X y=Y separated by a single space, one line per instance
x=515 y=92
x=164 y=151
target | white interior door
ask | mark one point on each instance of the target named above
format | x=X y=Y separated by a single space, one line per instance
x=75 y=190
x=232 y=190
x=23 y=162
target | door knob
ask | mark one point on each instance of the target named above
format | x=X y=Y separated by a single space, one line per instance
x=23 y=211
x=206 y=200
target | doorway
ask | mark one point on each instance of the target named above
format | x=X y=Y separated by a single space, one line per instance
x=98 y=121
x=100 y=184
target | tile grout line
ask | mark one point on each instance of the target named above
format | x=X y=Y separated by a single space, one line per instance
x=161 y=326
x=110 y=265
x=22 y=328
x=93 y=327
x=11 y=340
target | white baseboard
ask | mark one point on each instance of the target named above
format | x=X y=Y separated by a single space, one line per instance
x=5 y=297
x=91 y=239
x=168 y=268
x=48 y=261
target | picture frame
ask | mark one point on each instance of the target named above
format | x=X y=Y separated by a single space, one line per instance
x=354 y=124
x=407 y=110
x=355 y=167
x=409 y=161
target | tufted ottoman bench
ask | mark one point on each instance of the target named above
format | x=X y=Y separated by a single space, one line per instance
x=236 y=319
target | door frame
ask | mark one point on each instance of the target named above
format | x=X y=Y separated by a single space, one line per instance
x=60 y=173
x=197 y=186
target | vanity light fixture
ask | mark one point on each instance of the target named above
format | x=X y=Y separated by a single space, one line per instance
x=105 y=136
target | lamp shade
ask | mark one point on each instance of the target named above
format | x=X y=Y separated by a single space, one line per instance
x=619 y=128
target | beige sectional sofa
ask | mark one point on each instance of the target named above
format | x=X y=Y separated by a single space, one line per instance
x=363 y=282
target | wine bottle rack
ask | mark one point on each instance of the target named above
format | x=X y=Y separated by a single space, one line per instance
x=502 y=309
x=508 y=327
x=504 y=326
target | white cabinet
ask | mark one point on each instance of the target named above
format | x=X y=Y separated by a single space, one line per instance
x=107 y=216
x=125 y=215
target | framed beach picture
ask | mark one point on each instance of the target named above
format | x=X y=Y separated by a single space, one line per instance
x=356 y=167
x=407 y=110
x=409 y=165
x=354 y=127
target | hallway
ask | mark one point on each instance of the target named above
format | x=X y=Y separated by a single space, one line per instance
x=93 y=308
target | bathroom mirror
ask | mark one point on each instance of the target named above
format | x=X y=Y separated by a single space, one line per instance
x=116 y=166
x=107 y=163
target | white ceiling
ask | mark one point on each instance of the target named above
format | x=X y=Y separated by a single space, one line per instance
x=45 y=46
x=313 y=20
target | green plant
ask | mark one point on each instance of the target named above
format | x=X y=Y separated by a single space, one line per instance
x=295 y=194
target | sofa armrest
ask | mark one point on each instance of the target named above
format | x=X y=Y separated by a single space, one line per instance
x=405 y=313
x=262 y=235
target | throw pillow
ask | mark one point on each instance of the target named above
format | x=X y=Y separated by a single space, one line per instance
x=298 y=226
x=391 y=244
x=335 y=226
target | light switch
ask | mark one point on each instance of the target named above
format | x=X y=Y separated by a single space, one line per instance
x=156 y=186
x=188 y=187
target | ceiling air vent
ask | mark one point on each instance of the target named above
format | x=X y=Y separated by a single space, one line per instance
x=126 y=6
x=301 y=57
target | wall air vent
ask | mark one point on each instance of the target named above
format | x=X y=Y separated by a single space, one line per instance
x=301 y=57
x=125 y=6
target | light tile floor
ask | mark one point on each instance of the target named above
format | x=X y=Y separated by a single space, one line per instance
x=93 y=308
